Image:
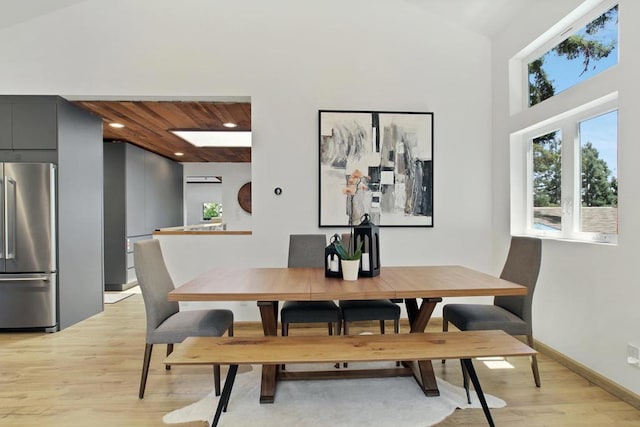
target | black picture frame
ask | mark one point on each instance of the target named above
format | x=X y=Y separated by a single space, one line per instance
x=375 y=162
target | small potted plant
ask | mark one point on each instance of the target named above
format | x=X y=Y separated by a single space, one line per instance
x=349 y=259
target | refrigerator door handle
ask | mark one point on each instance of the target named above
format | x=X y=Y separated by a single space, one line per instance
x=10 y=218
x=43 y=278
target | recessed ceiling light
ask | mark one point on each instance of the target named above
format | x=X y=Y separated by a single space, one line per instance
x=116 y=125
x=215 y=138
x=229 y=125
x=179 y=154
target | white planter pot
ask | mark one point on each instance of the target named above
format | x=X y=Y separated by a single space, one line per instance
x=350 y=269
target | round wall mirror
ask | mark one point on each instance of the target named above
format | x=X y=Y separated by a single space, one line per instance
x=244 y=197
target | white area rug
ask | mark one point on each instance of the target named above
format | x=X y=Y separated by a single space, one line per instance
x=370 y=402
x=114 y=297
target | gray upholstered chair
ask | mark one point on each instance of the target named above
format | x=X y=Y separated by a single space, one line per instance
x=367 y=310
x=307 y=250
x=166 y=324
x=511 y=314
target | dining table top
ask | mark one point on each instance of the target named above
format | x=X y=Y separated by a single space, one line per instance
x=310 y=284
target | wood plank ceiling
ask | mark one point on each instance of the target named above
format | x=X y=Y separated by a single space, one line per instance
x=148 y=124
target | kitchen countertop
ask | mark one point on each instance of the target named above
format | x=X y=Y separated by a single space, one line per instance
x=207 y=229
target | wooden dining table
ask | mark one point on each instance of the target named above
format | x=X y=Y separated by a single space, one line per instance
x=269 y=286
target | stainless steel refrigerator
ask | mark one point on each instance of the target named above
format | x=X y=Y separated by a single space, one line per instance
x=28 y=280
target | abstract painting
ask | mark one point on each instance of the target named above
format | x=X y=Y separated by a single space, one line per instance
x=377 y=163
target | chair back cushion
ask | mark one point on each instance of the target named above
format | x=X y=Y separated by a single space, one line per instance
x=307 y=250
x=155 y=282
x=522 y=267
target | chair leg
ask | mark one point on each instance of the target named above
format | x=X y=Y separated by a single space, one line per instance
x=330 y=328
x=230 y=330
x=382 y=327
x=396 y=330
x=285 y=332
x=216 y=379
x=169 y=351
x=534 y=363
x=465 y=380
x=337 y=329
x=445 y=328
x=145 y=369
x=345 y=328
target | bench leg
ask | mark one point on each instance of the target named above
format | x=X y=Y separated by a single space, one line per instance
x=468 y=366
x=226 y=393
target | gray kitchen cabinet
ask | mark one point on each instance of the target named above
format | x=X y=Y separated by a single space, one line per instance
x=35 y=126
x=142 y=192
x=135 y=186
x=164 y=192
x=29 y=123
x=5 y=127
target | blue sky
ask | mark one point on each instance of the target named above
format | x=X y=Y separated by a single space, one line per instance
x=601 y=131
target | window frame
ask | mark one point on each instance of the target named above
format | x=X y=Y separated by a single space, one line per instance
x=552 y=41
x=570 y=152
x=529 y=199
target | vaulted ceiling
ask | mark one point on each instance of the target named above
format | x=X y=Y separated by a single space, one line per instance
x=148 y=123
x=486 y=17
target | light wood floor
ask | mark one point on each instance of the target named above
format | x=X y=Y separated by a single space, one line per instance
x=88 y=375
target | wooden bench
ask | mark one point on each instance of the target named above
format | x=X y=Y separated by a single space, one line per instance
x=277 y=350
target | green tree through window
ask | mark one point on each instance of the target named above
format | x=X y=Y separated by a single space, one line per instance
x=547 y=170
x=597 y=188
x=211 y=210
x=596 y=41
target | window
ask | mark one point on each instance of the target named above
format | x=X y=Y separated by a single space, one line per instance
x=547 y=181
x=564 y=168
x=572 y=188
x=211 y=210
x=598 y=174
x=583 y=54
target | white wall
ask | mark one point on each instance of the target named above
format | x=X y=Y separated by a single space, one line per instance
x=234 y=176
x=195 y=194
x=585 y=300
x=292 y=58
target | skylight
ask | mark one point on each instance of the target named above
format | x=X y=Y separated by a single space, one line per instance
x=215 y=138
